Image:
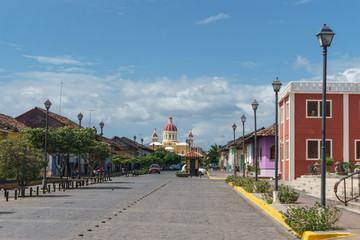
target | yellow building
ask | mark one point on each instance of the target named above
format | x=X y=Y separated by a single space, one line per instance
x=170 y=140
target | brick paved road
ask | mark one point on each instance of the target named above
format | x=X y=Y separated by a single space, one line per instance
x=156 y=207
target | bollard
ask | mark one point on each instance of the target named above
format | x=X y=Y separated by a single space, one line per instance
x=37 y=191
x=30 y=191
x=76 y=184
x=5 y=192
x=23 y=192
x=59 y=186
x=72 y=184
x=15 y=197
x=54 y=187
x=49 y=188
x=7 y=195
x=87 y=182
x=44 y=188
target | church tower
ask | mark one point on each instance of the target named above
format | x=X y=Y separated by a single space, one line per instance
x=155 y=137
x=190 y=139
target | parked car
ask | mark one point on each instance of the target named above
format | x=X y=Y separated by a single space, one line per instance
x=174 y=167
x=154 y=168
x=202 y=171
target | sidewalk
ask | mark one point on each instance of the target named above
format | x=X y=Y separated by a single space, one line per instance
x=349 y=221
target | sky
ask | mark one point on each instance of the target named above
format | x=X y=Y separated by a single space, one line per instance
x=134 y=63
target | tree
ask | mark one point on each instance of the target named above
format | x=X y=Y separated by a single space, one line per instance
x=97 y=153
x=64 y=141
x=19 y=159
x=213 y=155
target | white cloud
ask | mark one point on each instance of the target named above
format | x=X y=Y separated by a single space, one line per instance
x=56 y=60
x=220 y=16
x=302 y=62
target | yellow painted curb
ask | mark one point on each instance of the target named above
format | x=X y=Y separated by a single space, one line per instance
x=308 y=235
x=210 y=177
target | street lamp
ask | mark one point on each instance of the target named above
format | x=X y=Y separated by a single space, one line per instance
x=80 y=117
x=134 y=138
x=325 y=37
x=243 y=119
x=47 y=104
x=276 y=86
x=101 y=124
x=142 y=141
x=255 y=105
x=234 y=128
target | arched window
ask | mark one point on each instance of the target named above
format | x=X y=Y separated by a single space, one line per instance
x=272 y=153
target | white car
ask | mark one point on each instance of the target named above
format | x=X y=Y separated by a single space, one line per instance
x=202 y=171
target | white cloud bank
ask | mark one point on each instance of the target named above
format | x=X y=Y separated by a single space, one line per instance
x=55 y=60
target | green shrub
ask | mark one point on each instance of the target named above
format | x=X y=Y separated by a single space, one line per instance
x=315 y=218
x=230 y=178
x=262 y=186
x=287 y=195
x=181 y=174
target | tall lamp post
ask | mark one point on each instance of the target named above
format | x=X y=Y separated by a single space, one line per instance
x=325 y=37
x=234 y=128
x=101 y=124
x=255 y=105
x=276 y=86
x=47 y=104
x=80 y=117
x=243 y=119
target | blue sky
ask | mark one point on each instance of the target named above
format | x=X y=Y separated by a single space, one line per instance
x=138 y=62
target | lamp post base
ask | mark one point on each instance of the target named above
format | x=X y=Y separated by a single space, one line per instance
x=275 y=197
x=44 y=185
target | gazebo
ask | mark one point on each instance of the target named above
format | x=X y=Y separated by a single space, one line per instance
x=192 y=162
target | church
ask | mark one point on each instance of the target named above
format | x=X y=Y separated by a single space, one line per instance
x=170 y=141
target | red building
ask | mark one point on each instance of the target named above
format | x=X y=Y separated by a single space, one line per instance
x=300 y=125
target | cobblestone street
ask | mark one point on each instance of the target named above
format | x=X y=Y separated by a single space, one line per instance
x=145 y=207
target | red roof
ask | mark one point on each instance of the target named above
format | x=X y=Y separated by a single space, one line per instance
x=170 y=126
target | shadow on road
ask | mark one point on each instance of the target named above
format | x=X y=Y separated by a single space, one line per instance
x=103 y=187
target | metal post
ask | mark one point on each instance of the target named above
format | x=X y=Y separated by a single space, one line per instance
x=46 y=158
x=30 y=191
x=243 y=148
x=234 y=128
x=276 y=142
x=255 y=148
x=323 y=135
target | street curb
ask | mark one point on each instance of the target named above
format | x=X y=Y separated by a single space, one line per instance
x=210 y=177
x=308 y=235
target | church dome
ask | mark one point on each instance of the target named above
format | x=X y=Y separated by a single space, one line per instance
x=170 y=127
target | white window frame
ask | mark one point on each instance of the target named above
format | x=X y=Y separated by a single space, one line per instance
x=282 y=114
x=287 y=150
x=356 y=140
x=287 y=110
x=319 y=149
x=318 y=102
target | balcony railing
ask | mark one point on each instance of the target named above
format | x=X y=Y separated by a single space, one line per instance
x=349 y=186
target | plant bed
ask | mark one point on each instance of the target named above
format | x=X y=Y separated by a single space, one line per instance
x=181 y=174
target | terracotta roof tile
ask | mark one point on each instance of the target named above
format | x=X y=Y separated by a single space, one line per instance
x=11 y=124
